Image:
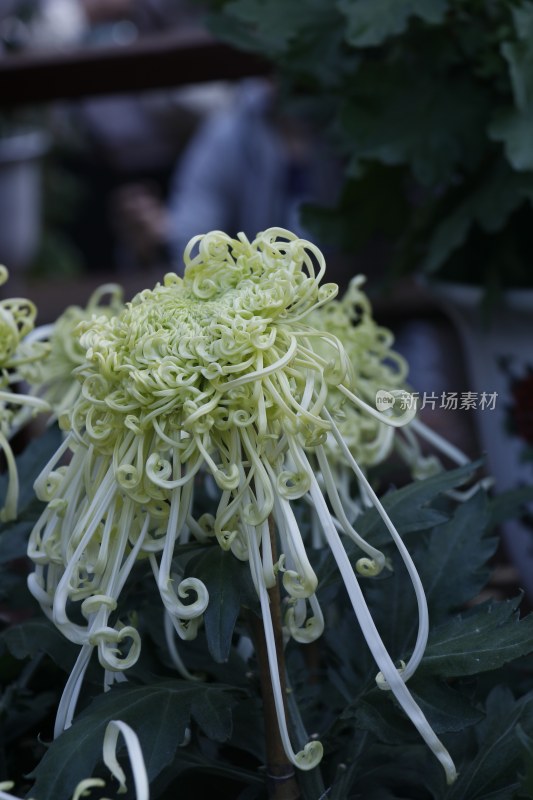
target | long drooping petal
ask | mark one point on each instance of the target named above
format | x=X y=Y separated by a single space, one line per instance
x=394 y=680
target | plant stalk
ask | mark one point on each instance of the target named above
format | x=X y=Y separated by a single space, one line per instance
x=281 y=777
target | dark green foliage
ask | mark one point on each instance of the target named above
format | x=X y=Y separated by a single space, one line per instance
x=492 y=773
x=475 y=683
x=160 y=714
x=230 y=586
x=430 y=105
x=483 y=638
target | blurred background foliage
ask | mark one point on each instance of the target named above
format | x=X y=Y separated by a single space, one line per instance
x=430 y=105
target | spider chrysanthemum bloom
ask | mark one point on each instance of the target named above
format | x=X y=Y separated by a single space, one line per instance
x=53 y=377
x=218 y=372
x=17 y=319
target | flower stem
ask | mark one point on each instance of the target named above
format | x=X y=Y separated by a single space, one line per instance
x=281 y=777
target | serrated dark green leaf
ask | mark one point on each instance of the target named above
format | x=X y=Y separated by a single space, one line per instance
x=512 y=125
x=482 y=639
x=405 y=772
x=27 y=639
x=159 y=714
x=217 y=570
x=371 y=22
x=432 y=127
x=409 y=507
x=446 y=710
x=229 y=584
x=411 y=512
x=458 y=550
x=488 y=204
x=492 y=773
x=377 y=714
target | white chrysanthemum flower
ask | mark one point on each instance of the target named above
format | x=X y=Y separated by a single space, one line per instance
x=53 y=377
x=220 y=371
x=17 y=318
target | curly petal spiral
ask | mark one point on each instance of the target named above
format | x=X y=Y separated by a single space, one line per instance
x=54 y=377
x=17 y=318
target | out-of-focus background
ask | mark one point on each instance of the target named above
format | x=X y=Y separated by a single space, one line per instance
x=402 y=145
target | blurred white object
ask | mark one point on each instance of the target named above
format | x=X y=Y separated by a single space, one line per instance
x=59 y=22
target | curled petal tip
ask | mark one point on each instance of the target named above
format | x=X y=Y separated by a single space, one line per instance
x=382 y=682
x=369 y=567
x=310 y=757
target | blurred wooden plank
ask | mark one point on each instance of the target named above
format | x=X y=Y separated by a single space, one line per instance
x=152 y=62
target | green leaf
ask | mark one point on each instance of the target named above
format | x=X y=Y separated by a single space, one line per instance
x=409 y=507
x=432 y=127
x=482 y=639
x=513 y=129
x=27 y=639
x=371 y=22
x=229 y=584
x=457 y=548
x=159 y=715
x=512 y=125
x=271 y=27
x=446 y=710
x=453 y=566
x=410 y=510
x=492 y=773
x=377 y=714
x=488 y=203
